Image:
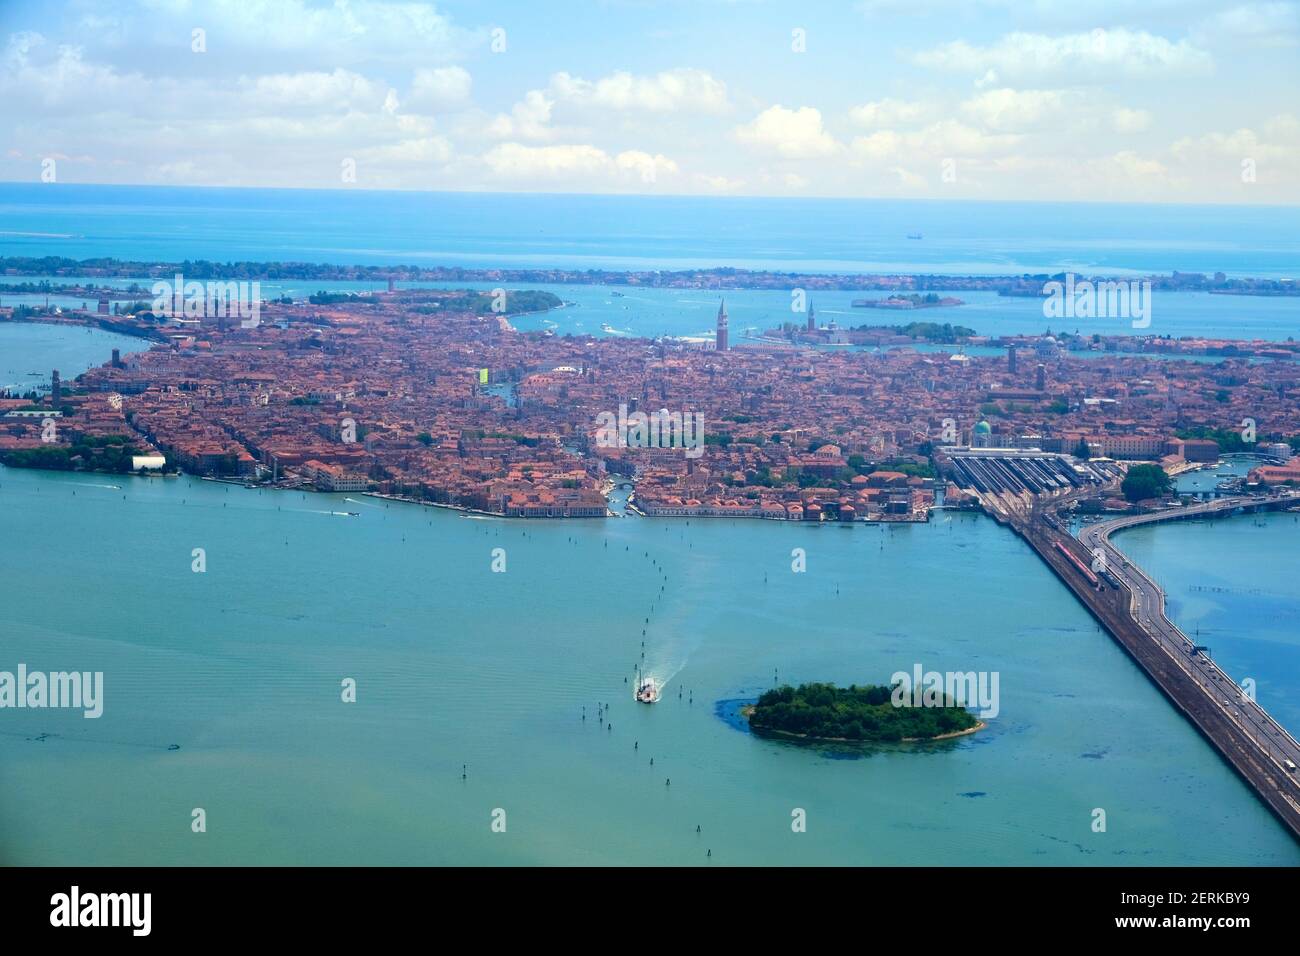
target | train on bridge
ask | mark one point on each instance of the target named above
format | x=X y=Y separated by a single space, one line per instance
x=1097 y=578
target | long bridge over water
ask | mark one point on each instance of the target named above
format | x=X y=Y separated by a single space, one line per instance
x=1131 y=606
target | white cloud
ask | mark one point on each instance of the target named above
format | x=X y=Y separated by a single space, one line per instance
x=181 y=172
x=442 y=88
x=679 y=90
x=889 y=112
x=1283 y=128
x=672 y=91
x=1274 y=24
x=38 y=73
x=879 y=145
x=428 y=149
x=929 y=147
x=1244 y=143
x=342 y=32
x=1220 y=163
x=288 y=89
x=908 y=179
x=718 y=184
x=792 y=134
x=528 y=119
x=1098 y=55
x=1008 y=109
x=1127 y=120
x=316 y=91
x=646 y=167
x=1138 y=167
x=583 y=163
x=517 y=161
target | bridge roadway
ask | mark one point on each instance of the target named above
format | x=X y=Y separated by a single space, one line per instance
x=1256 y=746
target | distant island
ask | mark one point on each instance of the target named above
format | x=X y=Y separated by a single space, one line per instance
x=521 y=302
x=854 y=714
x=946 y=334
x=930 y=300
x=719 y=278
x=934 y=333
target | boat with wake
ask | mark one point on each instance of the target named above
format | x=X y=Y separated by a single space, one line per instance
x=647 y=690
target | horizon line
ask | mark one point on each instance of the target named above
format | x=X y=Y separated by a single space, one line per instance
x=700 y=196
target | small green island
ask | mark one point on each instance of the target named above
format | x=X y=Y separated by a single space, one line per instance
x=523 y=302
x=855 y=714
x=904 y=303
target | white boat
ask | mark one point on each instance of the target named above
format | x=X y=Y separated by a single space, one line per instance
x=647 y=691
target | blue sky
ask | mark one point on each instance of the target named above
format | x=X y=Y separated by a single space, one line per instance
x=1184 y=101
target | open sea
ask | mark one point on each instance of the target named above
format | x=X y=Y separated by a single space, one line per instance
x=511 y=230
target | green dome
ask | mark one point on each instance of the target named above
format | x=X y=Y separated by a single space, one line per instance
x=983 y=428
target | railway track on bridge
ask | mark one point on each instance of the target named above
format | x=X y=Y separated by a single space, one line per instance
x=1130 y=605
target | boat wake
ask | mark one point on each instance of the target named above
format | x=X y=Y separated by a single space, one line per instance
x=665 y=671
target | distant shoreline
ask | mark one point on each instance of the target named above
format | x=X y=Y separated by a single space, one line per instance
x=703 y=280
x=906 y=303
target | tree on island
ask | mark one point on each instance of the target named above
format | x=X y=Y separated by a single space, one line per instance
x=1145 y=481
x=827 y=712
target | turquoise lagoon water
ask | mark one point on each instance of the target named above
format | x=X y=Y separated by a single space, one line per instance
x=1233 y=585
x=596 y=310
x=456 y=665
x=30 y=351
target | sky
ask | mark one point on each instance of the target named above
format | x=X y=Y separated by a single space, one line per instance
x=1100 y=100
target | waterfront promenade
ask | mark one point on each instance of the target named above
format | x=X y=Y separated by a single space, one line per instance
x=1131 y=606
